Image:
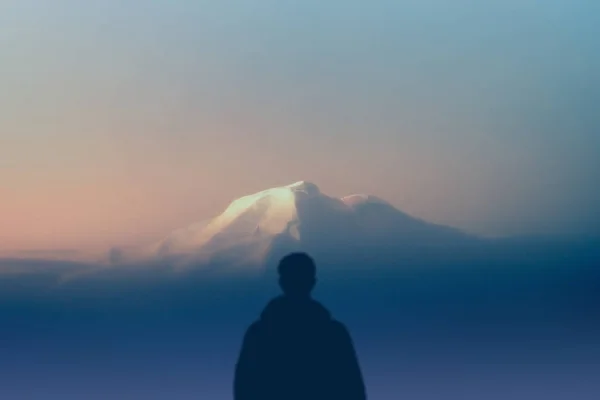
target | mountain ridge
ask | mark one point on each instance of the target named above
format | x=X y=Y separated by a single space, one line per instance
x=264 y=225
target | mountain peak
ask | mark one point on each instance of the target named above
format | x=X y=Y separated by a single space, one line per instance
x=359 y=199
x=299 y=215
x=305 y=186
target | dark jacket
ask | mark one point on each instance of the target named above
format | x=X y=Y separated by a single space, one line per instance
x=296 y=351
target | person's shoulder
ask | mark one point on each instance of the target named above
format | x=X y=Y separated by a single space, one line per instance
x=254 y=326
x=340 y=326
x=254 y=330
x=339 y=329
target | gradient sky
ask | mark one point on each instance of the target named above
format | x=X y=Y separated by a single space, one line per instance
x=121 y=120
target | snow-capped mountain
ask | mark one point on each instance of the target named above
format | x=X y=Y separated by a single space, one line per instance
x=263 y=226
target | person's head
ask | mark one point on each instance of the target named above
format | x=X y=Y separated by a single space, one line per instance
x=297 y=275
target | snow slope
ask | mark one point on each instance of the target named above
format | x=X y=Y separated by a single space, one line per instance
x=265 y=225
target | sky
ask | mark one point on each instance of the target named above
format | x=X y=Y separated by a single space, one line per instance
x=122 y=120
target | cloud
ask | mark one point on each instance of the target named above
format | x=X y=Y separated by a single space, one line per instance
x=48 y=253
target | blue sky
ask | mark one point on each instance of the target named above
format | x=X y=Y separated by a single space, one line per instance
x=120 y=120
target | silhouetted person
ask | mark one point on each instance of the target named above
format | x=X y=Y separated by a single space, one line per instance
x=296 y=350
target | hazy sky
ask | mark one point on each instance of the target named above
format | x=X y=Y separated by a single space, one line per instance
x=120 y=120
